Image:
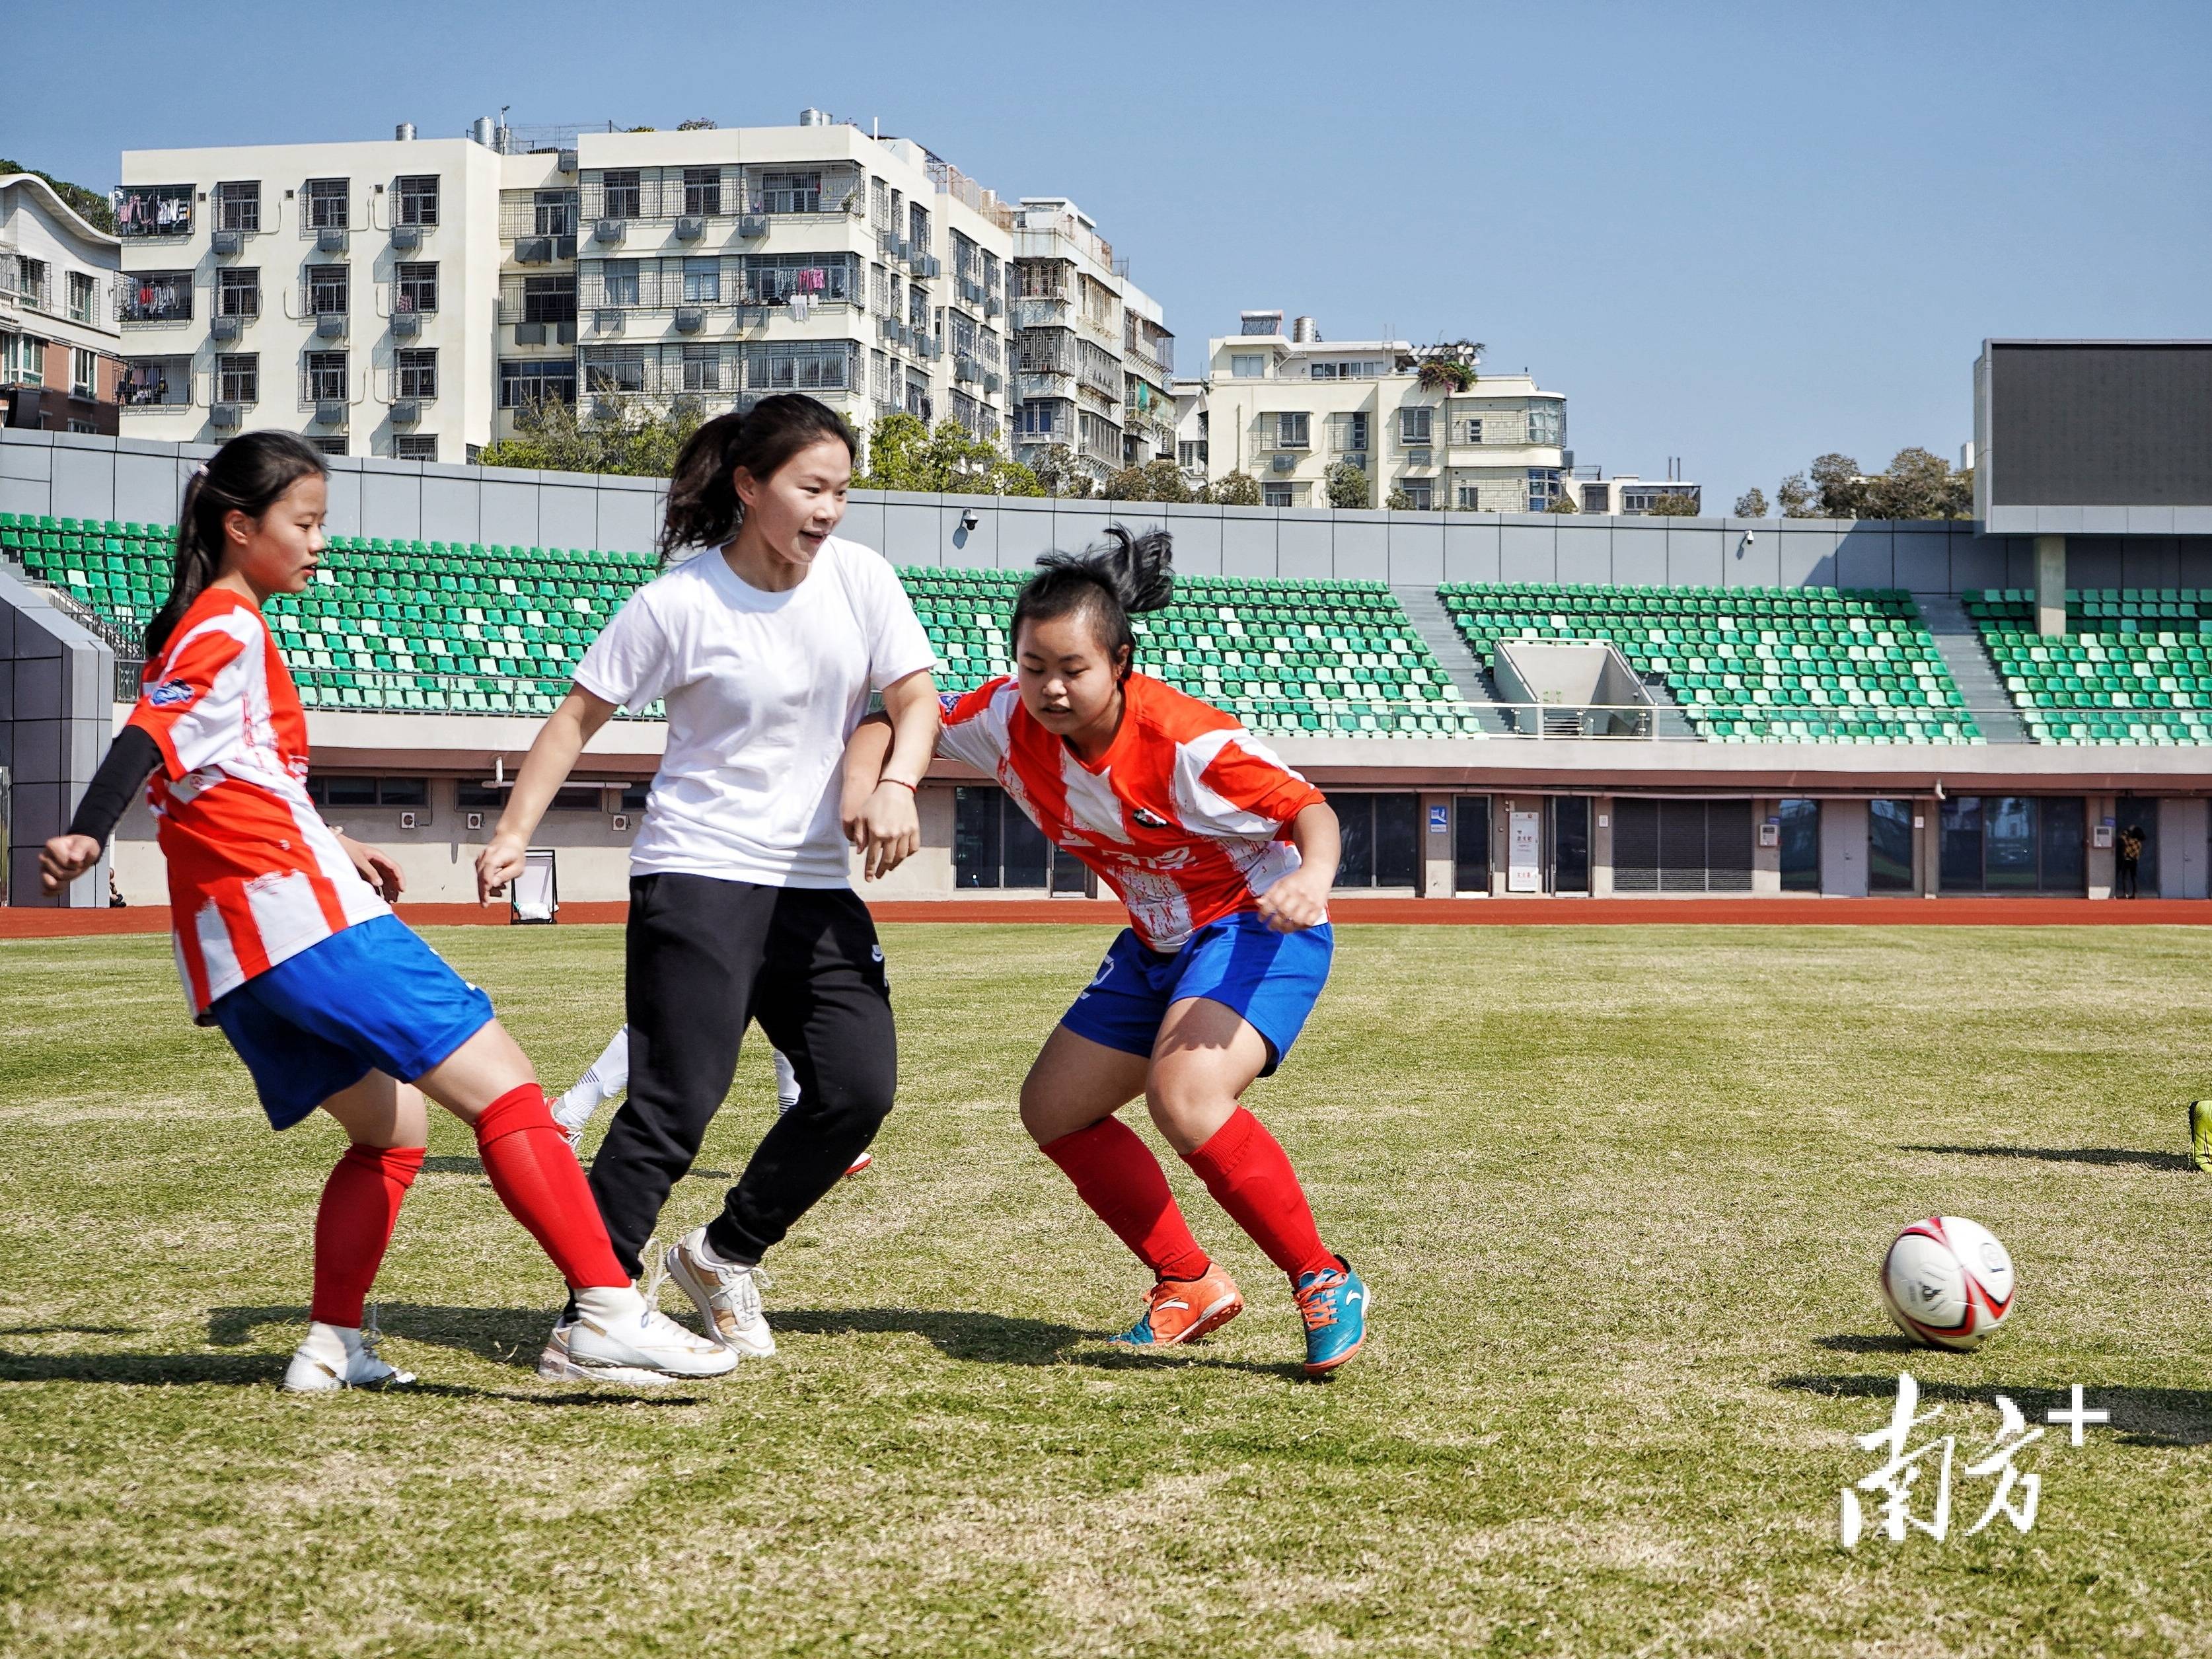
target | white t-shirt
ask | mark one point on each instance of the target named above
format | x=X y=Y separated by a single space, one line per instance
x=762 y=691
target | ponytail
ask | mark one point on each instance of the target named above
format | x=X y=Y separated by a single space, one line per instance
x=246 y=475
x=703 y=508
x=1128 y=576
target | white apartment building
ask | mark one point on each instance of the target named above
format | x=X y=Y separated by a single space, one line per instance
x=406 y=298
x=58 y=367
x=1285 y=408
x=1094 y=361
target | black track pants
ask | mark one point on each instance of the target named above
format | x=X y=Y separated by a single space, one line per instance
x=704 y=957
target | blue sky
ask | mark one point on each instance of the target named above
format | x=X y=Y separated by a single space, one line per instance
x=1739 y=233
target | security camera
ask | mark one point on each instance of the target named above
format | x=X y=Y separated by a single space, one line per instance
x=970 y=520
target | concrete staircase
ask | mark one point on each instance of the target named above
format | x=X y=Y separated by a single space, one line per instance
x=1471 y=679
x=1960 y=642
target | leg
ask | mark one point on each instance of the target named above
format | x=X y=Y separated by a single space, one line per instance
x=607 y=1076
x=385 y=1121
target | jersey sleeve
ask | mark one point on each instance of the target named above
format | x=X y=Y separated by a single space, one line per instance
x=973 y=724
x=633 y=661
x=897 y=644
x=1230 y=783
x=195 y=711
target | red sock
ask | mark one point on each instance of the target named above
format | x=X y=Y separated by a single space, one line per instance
x=1250 y=1177
x=1116 y=1175
x=536 y=1176
x=361 y=1202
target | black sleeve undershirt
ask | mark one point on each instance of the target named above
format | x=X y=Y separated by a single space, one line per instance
x=131 y=761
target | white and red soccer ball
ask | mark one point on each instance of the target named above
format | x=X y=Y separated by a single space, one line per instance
x=1948 y=1282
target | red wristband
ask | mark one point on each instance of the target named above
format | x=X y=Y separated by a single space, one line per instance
x=902 y=783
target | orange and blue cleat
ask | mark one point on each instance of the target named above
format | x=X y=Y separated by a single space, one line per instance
x=1335 y=1306
x=1179 y=1310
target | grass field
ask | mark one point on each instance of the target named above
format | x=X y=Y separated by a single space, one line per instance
x=1621 y=1193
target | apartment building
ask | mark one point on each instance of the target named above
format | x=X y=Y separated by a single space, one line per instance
x=1625 y=494
x=59 y=370
x=415 y=296
x=1285 y=408
x=1094 y=359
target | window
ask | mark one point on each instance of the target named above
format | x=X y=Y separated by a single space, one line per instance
x=158 y=296
x=155 y=381
x=415 y=200
x=415 y=447
x=1801 y=846
x=1279 y=495
x=618 y=283
x=330 y=291
x=1470 y=430
x=803 y=365
x=81 y=291
x=1543 y=487
x=702 y=369
x=549 y=299
x=1248 y=365
x=326 y=377
x=22 y=360
x=330 y=443
x=238 y=378
x=1470 y=497
x=790 y=192
x=238 y=293
x=326 y=790
x=1381 y=839
x=1547 y=424
x=995 y=845
x=615 y=370
x=84 y=373
x=1419 y=493
x=1889 y=846
x=153 y=210
x=2012 y=844
x=1036 y=420
x=330 y=203
x=553 y=213
x=1470 y=816
x=917 y=226
x=415 y=286
x=1414 y=425
x=620 y=193
x=703 y=191
x=523 y=383
x=1681 y=846
x=1291 y=429
x=1191 y=452
x=238 y=205
x=702 y=281
x=414 y=373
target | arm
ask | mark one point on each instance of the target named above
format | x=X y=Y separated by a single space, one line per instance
x=374 y=865
x=886 y=827
x=1300 y=900
x=131 y=761
x=544 y=770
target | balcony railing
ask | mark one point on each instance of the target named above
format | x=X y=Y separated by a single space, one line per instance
x=1043 y=311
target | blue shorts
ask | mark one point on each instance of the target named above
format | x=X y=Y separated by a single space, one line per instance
x=1272 y=979
x=373 y=998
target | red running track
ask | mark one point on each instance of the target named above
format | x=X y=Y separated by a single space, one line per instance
x=43 y=923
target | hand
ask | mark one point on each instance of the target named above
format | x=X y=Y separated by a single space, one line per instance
x=64 y=859
x=1297 y=901
x=376 y=867
x=886 y=831
x=499 y=864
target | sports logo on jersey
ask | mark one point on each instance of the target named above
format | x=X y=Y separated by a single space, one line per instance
x=169 y=693
x=1149 y=820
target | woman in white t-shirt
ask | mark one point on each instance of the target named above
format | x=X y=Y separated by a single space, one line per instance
x=764 y=648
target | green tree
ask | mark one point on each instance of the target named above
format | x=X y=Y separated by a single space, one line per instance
x=1235 y=489
x=1794 y=497
x=1675 y=505
x=1919 y=485
x=1158 y=480
x=1348 y=485
x=89 y=205
x=1561 y=502
x=1840 y=488
x=1059 y=473
x=1398 y=501
x=905 y=455
x=1752 y=504
x=639 y=437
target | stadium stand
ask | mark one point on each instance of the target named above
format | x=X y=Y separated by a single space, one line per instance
x=437 y=627
x=2131 y=668
x=1748 y=665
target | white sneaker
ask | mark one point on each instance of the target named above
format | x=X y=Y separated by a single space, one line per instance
x=728 y=1299
x=619 y=1330
x=331 y=1358
x=557 y=1364
x=573 y=1112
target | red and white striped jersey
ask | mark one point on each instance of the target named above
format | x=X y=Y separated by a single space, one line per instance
x=1184 y=816
x=255 y=875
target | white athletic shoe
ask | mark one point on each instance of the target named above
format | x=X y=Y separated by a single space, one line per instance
x=331 y=1358
x=557 y=1364
x=728 y=1299
x=573 y=1112
x=618 y=1332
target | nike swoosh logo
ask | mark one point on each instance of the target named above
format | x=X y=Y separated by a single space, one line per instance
x=1185 y=1306
x=1354 y=1297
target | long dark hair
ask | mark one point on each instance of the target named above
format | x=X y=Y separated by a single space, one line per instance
x=1129 y=576
x=246 y=475
x=703 y=508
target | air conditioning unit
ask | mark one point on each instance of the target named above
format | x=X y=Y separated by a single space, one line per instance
x=610 y=230
x=226 y=328
x=330 y=326
x=534 y=251
x=1284 y=464
x=689 y=229
x=406 y=325
x=227 y=415
x=330 y=239
x=529 y=334
x=898 y=249
x=751 y=225
x=607 y=319
x=967 y=369
x=564 y=334
x=927 y=264
x=564 y=247
x=994 y=382
x=407 y=411
x=407 y=820
x=229 y=242
x=995 y=306
x=936 y=345
x=330 y=411
x=889 y=329
x=690 y=320
x=567 y=162
x=406 y=238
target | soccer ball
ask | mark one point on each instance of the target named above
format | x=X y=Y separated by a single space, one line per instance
x=1947 y=1282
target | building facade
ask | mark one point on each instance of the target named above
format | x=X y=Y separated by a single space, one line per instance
x=415 y=297
x=59 y=368
x=1284 y=409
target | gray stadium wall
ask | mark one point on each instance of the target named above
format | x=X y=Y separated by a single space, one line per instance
x=73 y=475
x=57 y=699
